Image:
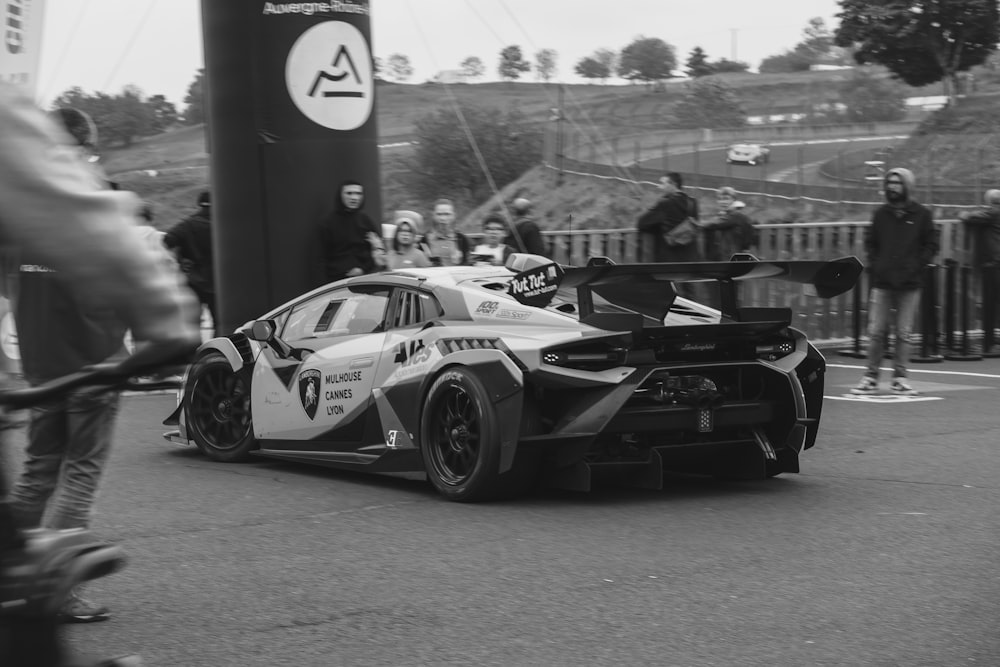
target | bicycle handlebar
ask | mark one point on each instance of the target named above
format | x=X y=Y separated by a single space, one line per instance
x=148 y=357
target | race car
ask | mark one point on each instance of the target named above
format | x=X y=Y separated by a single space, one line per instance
x=491 y=378
x=748 y=153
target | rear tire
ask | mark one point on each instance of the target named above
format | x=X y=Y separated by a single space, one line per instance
x=218 y=410
x=460 y=439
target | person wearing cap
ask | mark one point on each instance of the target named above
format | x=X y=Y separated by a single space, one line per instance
x=525 y=235
x=730 y=232
x=899 y=243
x=191 y=242
x=405 y=253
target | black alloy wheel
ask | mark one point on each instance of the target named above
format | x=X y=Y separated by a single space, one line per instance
x=218 y=410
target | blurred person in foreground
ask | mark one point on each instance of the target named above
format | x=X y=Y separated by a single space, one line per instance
x=899 y=243
x=191 y=242
x=350 y=242
x=526 y=235
x=57 y=215
x=443 y=244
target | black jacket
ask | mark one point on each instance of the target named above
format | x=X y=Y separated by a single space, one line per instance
x=527 y=237
x=191 y=240
x=984 y=225
x=663 y=216
x=344 y=245
x=899 y=243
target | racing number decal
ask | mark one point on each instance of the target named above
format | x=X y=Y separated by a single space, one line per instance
x=412 y=353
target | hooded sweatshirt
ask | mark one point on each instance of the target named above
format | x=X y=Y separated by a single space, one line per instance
x=344 y=240
x=901 y=240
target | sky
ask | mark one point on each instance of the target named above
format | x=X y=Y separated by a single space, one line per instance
x=104 y=45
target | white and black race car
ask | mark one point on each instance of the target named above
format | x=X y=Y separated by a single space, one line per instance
x=489 y=378
x=748 y=153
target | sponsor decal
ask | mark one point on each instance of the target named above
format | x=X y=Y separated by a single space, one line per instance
x=390 y=439
x=410 y=353
x=309 y=381
x=487 y=307
x=329 y=76
x=537 y=286
x=507 y=314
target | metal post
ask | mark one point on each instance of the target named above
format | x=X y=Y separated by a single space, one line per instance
x=855 y=352
x=965 y=354
x=928 y=320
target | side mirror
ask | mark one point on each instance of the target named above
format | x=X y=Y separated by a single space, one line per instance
x=262 y=331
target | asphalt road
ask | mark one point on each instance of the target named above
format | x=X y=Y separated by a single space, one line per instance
x=790 y=162
x=882 y=552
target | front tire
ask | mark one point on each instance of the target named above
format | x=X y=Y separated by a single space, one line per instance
x=460 y=438
x=218 y=409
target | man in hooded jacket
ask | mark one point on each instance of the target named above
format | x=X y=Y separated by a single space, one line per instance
x=191 y=241
x=900 y=242
x=350 y=242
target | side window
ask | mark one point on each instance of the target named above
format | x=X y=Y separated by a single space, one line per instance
x=415 y=308
x=337 y=313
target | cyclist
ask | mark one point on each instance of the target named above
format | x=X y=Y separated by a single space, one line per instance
x=52 y=211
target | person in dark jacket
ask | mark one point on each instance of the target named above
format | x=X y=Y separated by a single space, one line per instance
x=669 y=211
x=350 y=242
x=984 y=225
x=525 y=236
x=191 y=242
x=730 y=231
x=443 y=244
x=899 y=243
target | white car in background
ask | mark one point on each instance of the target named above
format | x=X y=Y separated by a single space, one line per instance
x=748 y=153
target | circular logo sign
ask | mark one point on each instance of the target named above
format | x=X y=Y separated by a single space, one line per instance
x=329 y=75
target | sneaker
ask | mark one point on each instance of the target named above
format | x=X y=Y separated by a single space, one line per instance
x=77 y=609
x=866 y=387
x=901 y=387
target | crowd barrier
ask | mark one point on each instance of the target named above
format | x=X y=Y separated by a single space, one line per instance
x=957 y=319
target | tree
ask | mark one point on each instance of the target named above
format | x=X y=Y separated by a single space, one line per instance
x=120 y=119
x=709 y=103
x=921 y=41
x=608 y=59
x=545 y=64
x=473 y=67
x=870 y=99
x=724 y=65
x=512 y=63
x=399 y=67
x=817 y=46
x=588 y=68
x=444 y=160
x=647 y=59
x=194 y=113
x=164 y=112
x=378 y=67
x=697 y=64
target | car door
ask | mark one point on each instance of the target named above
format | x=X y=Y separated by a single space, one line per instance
x=317 y=396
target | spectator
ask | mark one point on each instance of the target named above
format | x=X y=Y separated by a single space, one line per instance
x=525 y=236
x=191 y=242
x=673 y=207
x=730 y=232
x=899 y=243
x=984 y=227
x=442 y=244
x=85 y=277
x=492 y=250
x=350 y=242
x=405 y=254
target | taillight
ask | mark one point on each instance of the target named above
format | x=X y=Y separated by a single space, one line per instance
x=586 y=357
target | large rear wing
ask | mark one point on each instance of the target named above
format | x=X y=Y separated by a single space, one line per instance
x=648 y=288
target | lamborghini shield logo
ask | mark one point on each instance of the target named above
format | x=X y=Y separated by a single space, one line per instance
x=309 y=391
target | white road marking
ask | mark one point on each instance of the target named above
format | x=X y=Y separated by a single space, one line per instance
x=920 y=370
x=883 y=398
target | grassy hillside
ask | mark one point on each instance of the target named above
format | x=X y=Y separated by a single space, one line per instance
x=169 y=169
